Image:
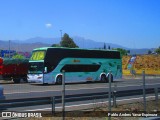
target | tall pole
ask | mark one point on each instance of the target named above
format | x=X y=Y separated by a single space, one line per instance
x=63 y=94
x=109 y=95
x=144 y=90
x=9 y=48
x=61 y=34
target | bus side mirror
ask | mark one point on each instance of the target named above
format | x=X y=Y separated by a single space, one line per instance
x=45 y=69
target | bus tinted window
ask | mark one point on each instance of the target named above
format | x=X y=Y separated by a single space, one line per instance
x=35 y=67
x=80 y=68
x=54 y=56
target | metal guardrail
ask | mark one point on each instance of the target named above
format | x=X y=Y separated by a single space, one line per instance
x=12 y=103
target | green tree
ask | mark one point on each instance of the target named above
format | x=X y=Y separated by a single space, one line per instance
x=158 y=50
x=55 y=45
x=109 y=47
x=128 y=51
x=104 y=47
x=67 y=42
x=149 y=51
x=122 y=51
x=18 y=56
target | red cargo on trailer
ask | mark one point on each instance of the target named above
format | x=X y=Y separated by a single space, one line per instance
x=15 y=69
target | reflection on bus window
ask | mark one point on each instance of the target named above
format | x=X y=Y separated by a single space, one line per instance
x=38 y=55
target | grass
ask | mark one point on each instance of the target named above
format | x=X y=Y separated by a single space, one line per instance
x=149 y=63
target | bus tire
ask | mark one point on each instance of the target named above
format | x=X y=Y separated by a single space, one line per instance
x=59 y=80
x=103 y=78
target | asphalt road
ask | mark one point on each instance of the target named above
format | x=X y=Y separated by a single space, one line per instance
x=26 y=90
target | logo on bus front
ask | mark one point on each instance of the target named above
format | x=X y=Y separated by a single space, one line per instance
x=76 y=60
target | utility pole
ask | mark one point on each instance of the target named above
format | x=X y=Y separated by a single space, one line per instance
x=61 y=34
x=109 y=95
x=63 y=94
x=144 y=90
x=9 y=48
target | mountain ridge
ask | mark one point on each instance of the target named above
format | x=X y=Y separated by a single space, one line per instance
x=29 y=44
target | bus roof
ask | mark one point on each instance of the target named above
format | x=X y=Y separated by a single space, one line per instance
x=45 y=48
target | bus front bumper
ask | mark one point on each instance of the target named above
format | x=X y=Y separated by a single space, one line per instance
x=35 y=78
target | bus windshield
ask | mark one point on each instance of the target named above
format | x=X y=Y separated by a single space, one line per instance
x=38 y=55
x=35 y=67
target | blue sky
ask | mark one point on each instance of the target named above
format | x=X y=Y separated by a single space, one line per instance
x=130 y=23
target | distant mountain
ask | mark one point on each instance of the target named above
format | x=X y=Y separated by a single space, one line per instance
x=42 y=40
x=19 y=46
x=29 y=44
x=80 y=41
x=88 y=43
x=141 y=51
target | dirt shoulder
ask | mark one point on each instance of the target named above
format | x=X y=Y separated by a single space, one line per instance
x=132 y=111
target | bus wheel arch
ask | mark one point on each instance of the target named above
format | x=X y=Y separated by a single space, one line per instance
x=59 y=79
x=103 y=77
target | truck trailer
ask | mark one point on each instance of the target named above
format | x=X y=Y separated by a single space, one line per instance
x=14 y=69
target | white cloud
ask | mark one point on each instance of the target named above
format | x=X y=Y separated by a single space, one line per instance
x=48 y=25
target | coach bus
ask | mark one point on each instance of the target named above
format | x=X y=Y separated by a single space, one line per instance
x=80 y=65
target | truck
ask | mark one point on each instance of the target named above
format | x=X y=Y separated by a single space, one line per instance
x=14 y=69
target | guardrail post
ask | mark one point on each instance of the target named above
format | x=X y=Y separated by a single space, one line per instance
x=53 y=105
x=109 y=94
x=144 y=90
x=114 y=96
x=63 y=94
x=156 y=98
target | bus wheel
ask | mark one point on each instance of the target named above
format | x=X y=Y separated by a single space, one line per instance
x=103 y=78
x=59 y=80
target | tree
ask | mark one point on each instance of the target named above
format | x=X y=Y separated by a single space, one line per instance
x=55 y=45
x=122 y=51
x=149 y=51
x=104 y=47
x=67 y=42
x=109 y=47
x=18 y=56
x=158 y=50
x=128 y=51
